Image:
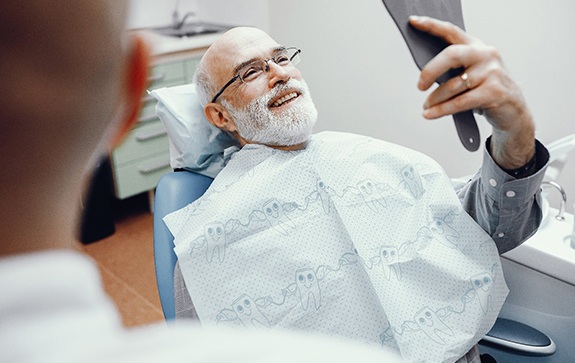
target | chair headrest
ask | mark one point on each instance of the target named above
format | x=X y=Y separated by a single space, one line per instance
x=195 y=144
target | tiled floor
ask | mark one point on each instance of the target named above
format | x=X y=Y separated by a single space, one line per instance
x=126 y=261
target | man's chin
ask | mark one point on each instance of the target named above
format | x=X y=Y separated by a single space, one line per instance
x=283 y=140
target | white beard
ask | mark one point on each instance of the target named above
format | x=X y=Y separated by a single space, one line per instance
x=258 y=124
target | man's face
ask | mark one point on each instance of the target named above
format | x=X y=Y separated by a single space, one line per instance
x=278 y=126
x=275 y=108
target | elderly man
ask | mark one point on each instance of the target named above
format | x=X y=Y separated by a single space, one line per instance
x=72 y=83
x=250 y=88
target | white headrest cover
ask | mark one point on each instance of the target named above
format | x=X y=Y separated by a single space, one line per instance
x=195 y=144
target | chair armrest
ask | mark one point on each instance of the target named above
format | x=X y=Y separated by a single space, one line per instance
x=523 y=339
x=174 y=191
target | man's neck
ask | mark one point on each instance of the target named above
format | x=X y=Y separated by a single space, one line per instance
x=290 y=147
x=295 y=147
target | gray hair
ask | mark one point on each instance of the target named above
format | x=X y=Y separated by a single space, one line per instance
x=205 y=89
x=204 y=85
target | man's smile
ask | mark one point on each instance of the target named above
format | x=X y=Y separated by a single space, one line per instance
x=277 y=102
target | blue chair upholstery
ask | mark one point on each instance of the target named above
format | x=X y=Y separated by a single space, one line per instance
x=174 y=191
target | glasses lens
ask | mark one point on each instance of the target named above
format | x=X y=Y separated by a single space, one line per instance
x=283 y=58
x=294 y=55
x=251 y=71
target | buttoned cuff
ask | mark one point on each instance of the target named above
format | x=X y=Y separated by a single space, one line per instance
x=507 y=191
x=517 y=199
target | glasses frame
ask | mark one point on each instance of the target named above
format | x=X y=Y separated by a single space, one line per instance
x=237 y=76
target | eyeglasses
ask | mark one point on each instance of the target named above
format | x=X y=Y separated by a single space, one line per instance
x=252 y=70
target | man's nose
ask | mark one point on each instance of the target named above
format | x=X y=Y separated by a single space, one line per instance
x=276 y=74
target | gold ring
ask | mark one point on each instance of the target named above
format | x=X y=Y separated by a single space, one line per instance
x=465 y=78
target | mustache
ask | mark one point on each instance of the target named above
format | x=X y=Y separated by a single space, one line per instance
x=279 y=88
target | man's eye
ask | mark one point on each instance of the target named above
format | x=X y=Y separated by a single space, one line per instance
x=282 y=59
x=251 y=73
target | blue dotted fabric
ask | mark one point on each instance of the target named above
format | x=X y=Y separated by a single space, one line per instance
x=351 y=236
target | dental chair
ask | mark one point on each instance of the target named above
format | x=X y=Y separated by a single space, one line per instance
x=174 y=191
x=193 y=143
x=177 y=189
x=508 y=341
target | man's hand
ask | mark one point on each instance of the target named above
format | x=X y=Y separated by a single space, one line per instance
x=488 y=89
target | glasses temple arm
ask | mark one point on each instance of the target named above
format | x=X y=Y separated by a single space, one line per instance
x=224 y=88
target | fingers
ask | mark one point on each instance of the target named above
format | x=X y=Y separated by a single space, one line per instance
x=462 y=102
x=463 y=92
x=466 y=81
x=464 y=51
x=471 y=90
x=452 y=34
x=446 y=92
x=453 y=57
x=487 y=87
x=484 y=83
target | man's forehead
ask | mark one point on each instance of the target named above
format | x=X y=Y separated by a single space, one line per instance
x=261 y=46
x=238 y=46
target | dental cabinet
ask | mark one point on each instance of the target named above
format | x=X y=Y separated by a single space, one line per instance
x=143 y=157
x=537 y=321
x=538 y=317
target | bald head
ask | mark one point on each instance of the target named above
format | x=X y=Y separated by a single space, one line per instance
x=218 y=63
x=65 y=66
x=251 y=88
x=61 y=62
x=230 y=45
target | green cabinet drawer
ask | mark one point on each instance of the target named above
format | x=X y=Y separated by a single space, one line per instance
x=145 y=140
x=141 y=176
x=144 y=156
x=190 y=67
x=163 y=74
x=148 y=111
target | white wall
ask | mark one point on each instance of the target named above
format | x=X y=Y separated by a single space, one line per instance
x=236 y=12
x=363 y=79
x=152 y=13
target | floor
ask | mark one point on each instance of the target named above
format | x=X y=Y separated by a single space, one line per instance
x=126 y=261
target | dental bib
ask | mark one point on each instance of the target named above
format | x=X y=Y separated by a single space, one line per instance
x=352 y=237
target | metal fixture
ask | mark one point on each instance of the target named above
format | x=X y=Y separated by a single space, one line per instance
x=561 y=215
x=180 y=24
x=572 y=237
x=176 y=22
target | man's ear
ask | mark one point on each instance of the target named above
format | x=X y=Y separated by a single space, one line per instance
x=134 y=84
x=219 y=117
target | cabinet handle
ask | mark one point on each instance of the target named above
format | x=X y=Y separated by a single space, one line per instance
x=147 y=99
x=151 y=168
x=148 y=118
x=150 y=135
x=156 y=77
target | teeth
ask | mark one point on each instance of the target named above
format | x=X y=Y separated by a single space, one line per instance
x=284 y=99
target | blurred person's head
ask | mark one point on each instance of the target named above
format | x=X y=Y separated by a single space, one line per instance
x=71 y=84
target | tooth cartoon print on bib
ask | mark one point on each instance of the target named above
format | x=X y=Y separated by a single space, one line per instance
x=351 y=236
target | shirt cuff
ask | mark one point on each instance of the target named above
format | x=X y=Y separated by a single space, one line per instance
x=508 y=191
x=536 y=163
